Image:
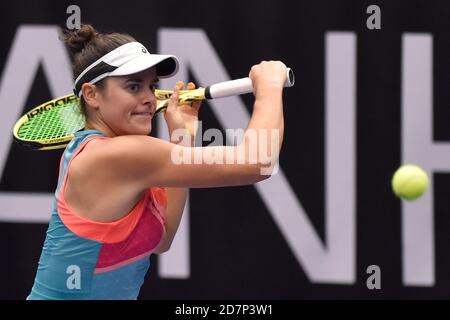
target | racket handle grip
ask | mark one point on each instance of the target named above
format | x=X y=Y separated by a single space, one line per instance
x=240 y=86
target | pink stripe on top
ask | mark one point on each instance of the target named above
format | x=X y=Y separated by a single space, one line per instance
x=140 y=243
x=122 y=263
x=159 y=203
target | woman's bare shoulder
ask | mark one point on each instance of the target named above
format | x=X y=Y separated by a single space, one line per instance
x=95 y=189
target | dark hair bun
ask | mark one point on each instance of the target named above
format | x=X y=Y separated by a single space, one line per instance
x=76 y=40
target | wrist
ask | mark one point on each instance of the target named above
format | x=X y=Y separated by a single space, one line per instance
x=268 y=90
x=182 y=137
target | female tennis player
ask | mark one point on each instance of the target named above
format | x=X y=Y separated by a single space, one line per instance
x=120 y=195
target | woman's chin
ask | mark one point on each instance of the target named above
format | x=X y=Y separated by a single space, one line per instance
x=140 y=130
x=145 y=131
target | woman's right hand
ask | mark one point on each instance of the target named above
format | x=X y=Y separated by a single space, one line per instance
x=183 y=117
x=268 y=75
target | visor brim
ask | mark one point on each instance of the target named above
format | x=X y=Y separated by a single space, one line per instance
x=166 y=65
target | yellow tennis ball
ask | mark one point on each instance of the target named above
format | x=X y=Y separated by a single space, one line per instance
x=409 y=182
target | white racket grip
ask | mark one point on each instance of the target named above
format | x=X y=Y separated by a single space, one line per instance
x=239 y=86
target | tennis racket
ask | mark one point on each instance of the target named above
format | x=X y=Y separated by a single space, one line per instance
x=52 y=124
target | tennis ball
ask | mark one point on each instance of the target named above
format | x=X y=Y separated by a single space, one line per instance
x=409 y=182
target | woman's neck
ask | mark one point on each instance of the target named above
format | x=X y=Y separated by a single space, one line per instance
x=100 y=126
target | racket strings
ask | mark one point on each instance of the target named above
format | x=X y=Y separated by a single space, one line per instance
x=63 y=120
x=58 y=122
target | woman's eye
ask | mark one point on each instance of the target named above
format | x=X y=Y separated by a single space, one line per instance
x=133 y=87
x=153 y=87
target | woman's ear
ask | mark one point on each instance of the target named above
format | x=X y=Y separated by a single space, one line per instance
x=90 y=95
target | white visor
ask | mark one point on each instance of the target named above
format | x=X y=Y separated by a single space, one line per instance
x=127 y=59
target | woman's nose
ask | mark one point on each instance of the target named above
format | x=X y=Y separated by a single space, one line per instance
x=149 y=97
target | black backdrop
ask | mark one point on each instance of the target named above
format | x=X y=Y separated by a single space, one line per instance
x=236 y=249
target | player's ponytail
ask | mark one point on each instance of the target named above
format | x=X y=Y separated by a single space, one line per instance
x=77 y=40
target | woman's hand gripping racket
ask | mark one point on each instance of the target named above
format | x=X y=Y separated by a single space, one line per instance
x=52 y=124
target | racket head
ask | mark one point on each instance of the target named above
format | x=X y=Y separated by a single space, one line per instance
x=50 y=125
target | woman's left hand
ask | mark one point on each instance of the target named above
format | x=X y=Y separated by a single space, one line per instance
x=183 y=116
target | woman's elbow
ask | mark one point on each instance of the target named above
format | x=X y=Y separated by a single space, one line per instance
x=163 y=245
x=161 y=248
x=260 y=172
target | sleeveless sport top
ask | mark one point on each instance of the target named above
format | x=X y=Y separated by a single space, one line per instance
x=85 y=259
